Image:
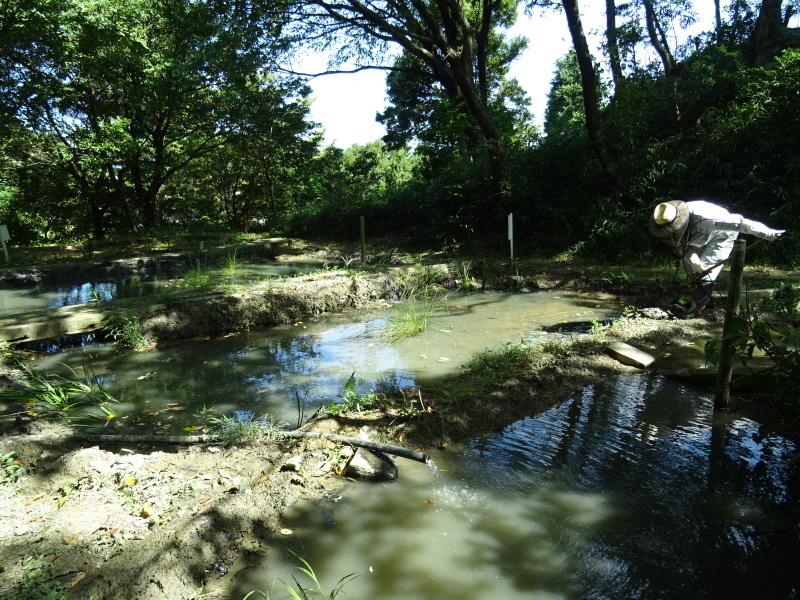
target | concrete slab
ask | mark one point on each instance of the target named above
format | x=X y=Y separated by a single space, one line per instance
x=628 y=355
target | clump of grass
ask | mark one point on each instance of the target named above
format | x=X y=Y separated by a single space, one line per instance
x=53 y=396
x=411 y=318
x=299 y=592
x=233 y=265
x=463 y=269
x=127 y=331
x=244 y=431
x=198 y=273
x=488 y=369
x=419 y=283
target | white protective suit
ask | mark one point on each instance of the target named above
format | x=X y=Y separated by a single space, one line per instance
x=709 y=237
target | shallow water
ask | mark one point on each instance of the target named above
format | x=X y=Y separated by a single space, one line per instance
x=623 y=491
x=288 y=372
x=70 y=292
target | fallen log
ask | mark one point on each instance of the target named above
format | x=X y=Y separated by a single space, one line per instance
x=368 y=444
x=207 y=439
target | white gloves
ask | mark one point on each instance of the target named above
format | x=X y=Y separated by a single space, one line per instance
x=760 y=230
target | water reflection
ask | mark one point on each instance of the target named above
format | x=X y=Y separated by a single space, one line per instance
x=614 y=494
x=269 y=371
x=70 y=292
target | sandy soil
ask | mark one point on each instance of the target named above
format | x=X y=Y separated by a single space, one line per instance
x=177 y=521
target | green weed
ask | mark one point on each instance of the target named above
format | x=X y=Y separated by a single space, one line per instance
x=411 y=318
x=127 y=331
x=352 y=400
x=53 y=396
x=304 y=593
x=37 y=583
x=618 y=278
x=463 y=269
x=10 y=469
x=782 y=345
x=237 y=431
x=419 y=283
x=233 y=265
x=785 y=300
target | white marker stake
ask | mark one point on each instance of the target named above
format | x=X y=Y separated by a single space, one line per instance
x=511 y=233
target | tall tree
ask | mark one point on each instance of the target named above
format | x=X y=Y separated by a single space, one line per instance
x=771 y=33
x=612 y=44
x=450 y=37
x=659 y=42
x=591 y=101
x=136 y=90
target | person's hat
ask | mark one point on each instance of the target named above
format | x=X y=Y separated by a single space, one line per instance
x=668 y=218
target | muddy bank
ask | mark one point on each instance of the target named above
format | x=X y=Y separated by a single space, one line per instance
x=265 y=305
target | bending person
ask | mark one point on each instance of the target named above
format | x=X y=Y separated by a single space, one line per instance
x=703 y=234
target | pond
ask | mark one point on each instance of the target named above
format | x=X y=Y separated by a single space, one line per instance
x=82 y=290
x=625 y=490
x=629 y=488
x=288 y=372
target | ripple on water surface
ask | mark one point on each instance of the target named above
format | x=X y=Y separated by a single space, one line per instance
x=622 y=491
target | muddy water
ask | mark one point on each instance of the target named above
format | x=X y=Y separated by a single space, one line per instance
x=289 y=372
x=82 y=291
x=624 y=491
x=55 y=295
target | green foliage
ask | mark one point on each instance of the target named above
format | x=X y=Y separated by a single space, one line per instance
x=127 y=331
x=780 y=344
x=243 y=430
x=785 y=300
x=11 y=469
x=299 y=592
x=352 y=400
x=118 y=100
x=56 y=397
x=565 y=114
x=369 y=180
x=39 y=582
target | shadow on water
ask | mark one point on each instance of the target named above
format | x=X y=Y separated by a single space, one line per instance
x=623 y=491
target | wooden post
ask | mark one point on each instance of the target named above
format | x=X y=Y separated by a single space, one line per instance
x=363 y=242
x=725 y=365
x=4 y=237
x=511 y=233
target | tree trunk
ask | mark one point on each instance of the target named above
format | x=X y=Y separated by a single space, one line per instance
x=613 y=46
x=764 y=42
x=594 y=124
x=667 y=61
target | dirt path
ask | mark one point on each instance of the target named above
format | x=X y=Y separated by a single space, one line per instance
x=177 y=522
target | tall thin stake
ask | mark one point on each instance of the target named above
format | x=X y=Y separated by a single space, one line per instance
x=725 y=369
x=363 y=242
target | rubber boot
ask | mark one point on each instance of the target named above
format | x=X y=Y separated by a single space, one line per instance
x=702 y=298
